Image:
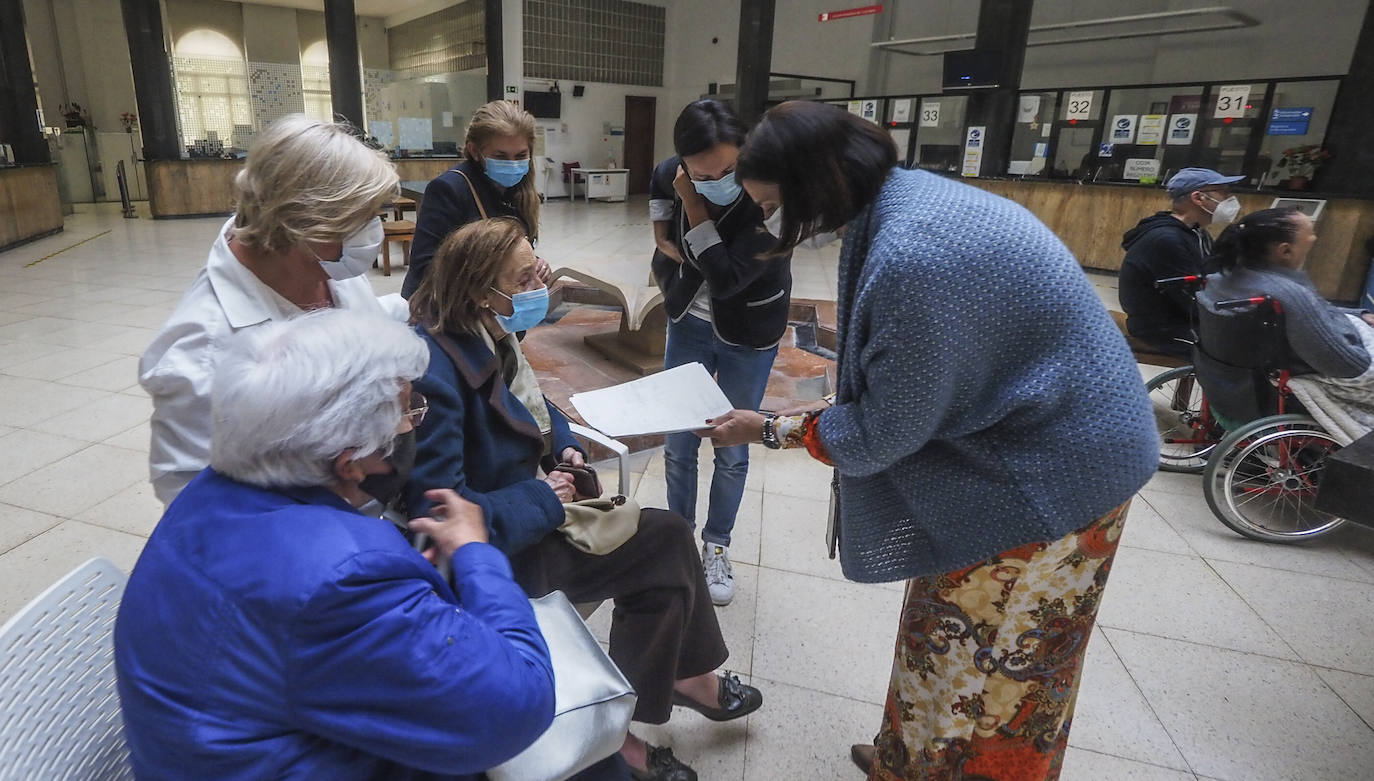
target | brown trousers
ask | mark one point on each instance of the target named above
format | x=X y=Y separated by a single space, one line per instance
x=663 y=628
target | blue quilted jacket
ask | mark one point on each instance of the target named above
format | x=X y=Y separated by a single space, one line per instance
x=986 y=400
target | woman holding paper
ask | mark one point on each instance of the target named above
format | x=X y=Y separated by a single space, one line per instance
x=989 y=431
x=488 y=432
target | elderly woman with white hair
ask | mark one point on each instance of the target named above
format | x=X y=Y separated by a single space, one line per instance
x=271 y=630
x=304 y=232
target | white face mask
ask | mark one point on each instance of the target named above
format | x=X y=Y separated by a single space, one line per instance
x=1226 y=212
x=358 y=254
x=815 y=241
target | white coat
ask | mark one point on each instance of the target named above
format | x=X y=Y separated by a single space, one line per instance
x=178 y=368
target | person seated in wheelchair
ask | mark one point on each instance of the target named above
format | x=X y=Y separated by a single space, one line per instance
x=1260 y=256
x=488 y=433
x=273 y=629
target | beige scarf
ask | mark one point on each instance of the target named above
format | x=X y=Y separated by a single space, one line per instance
x=524 y=385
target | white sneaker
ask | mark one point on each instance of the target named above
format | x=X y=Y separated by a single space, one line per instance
x=720 y=578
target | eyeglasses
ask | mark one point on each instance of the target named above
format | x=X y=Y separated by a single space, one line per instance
x=419 y=405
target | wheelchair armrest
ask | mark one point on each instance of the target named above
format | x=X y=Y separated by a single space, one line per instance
x=622 y=453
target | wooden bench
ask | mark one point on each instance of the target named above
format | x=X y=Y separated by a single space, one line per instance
x=1144 y=353
x=639 y=344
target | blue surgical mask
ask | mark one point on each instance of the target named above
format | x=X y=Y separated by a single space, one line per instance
x=721 y=192
x=506 y=173
x=528 y=310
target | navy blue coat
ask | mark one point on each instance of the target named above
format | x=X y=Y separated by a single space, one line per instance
x=281 y=634
x=479 y=440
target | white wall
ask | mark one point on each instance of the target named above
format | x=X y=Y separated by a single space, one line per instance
x=578 y=136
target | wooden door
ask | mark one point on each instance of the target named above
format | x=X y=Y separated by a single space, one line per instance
x=639 y=141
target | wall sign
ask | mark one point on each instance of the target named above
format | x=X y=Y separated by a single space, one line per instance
x=856 y=107
x=973 y=150
x=1028 y=108
x=850 y=13
x=1079 y=105
x=930 y=113
x=1289 y=122
x=1151 y=130
x=1140 y=168
x=1106 y=150
x=1123 y=129
x=1231 y=101
x=868 y=109
x=901 y=111
x=1181 y=128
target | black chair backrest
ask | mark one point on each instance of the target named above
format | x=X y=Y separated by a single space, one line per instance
x=1240 y=343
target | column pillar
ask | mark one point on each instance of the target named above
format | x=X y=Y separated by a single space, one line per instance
x=345 y=70
x=157 y=119
x=755 y=59
x=1351 y=168
x=493 y=30
x=1003 y=27
x=18 y=100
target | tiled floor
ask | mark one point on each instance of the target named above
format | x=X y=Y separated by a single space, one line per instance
x=1216 y=657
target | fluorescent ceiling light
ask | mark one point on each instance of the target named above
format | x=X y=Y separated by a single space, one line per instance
x=1196 y=20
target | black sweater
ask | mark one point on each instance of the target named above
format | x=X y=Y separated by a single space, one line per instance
x=750 y=296
x=1159 y=247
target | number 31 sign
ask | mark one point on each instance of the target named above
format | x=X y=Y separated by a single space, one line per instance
x=1231 y=101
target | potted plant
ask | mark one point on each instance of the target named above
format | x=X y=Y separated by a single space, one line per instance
x=129 y=121
x=1301 y=162
x=74 y=115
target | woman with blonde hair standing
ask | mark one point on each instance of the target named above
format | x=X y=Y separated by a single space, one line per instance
x=304 y=232
x=494 y=180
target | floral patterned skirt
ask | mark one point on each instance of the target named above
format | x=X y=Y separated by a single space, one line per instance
x=988 y=662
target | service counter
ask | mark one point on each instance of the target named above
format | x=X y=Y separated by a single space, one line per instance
x=30 y=207
x=1090 y=219
x=204 y=186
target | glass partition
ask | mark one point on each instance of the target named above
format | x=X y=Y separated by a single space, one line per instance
x=1078 y=121
x=939 y=131
x=1230 y=122
x=1030 y=138
x=1298 y=116
x=1147 y=132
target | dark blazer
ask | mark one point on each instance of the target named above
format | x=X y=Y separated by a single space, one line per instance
x=447 y=206
x=479 y=440
x=750 y=296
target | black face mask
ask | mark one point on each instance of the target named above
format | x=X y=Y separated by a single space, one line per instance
x=385 y=488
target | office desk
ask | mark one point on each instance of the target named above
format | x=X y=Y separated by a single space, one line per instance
x=612 y=184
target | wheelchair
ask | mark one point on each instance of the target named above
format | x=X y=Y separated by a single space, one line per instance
x=1188 y=431
x=1262 y=478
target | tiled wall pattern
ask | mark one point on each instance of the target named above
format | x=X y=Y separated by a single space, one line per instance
x=373 y=81
x=276 y=90
x=212 y=95
x=611 y=41
x=315 y=89
x=446 y=41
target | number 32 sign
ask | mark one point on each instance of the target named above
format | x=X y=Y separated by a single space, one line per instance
x=1079 y=105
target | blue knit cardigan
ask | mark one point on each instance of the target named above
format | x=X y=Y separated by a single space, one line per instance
x=986 y=400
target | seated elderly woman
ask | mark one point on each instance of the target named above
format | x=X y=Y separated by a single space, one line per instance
x=304 y=232
x=271 y=630
x=487 y=433
x=1329 y=348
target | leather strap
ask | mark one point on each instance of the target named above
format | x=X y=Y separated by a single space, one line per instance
x=475 y=198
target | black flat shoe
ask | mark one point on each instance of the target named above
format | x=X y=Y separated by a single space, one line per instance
x=734 y=700
x=663 y=766
x=862 y=754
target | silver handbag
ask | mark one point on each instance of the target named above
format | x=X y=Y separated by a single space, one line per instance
x=593 y=702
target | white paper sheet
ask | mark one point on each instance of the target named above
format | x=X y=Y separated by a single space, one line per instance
x=679 y=399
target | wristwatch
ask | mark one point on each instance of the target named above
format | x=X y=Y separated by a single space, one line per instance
x=770 y=432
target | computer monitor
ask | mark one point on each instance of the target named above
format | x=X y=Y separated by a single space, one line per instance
x=971 y=69
x=544 y=105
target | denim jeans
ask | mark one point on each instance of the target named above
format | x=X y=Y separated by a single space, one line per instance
x=742 y=373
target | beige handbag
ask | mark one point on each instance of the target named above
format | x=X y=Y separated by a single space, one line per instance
x=599 y=526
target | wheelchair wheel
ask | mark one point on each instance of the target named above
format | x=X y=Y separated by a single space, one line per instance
x=1185 y=437
x=1262 y=480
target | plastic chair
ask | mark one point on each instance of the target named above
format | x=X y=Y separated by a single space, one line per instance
x=59 y=711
